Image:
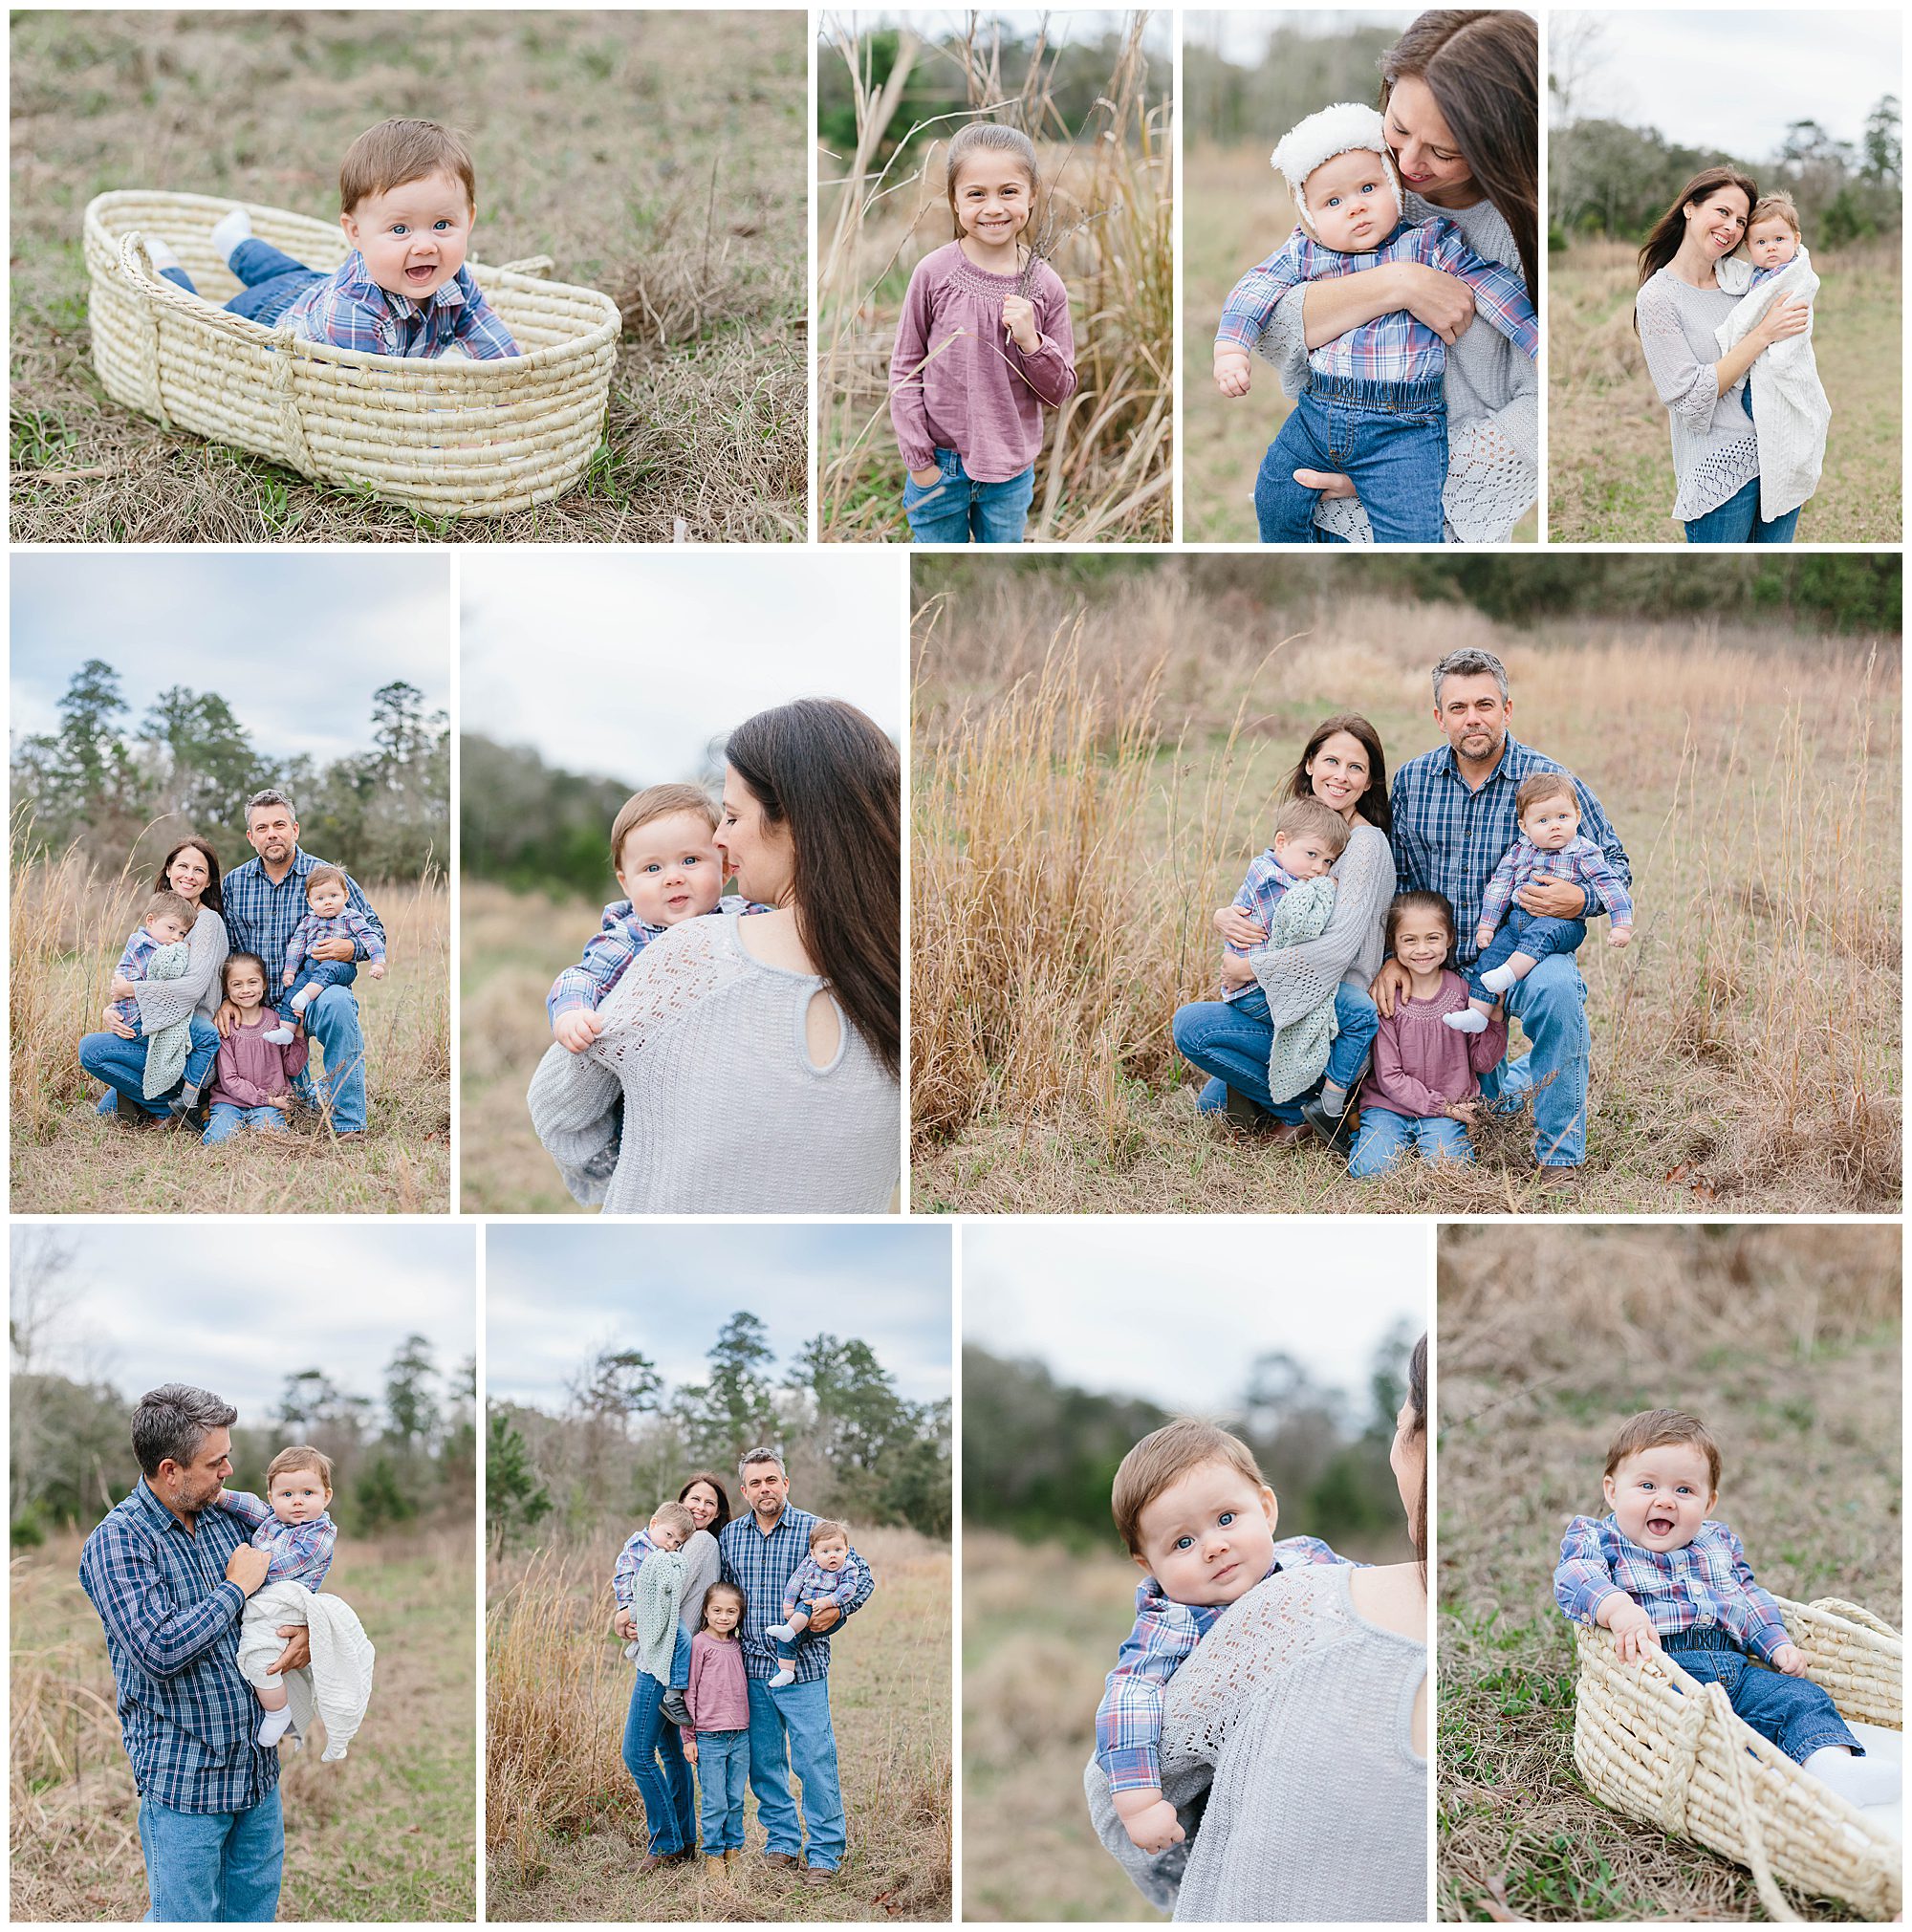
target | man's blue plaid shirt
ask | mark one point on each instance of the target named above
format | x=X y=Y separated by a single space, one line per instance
x=760 y=1566
x=1450 y=839
x=261 y=917
x=172 y=1631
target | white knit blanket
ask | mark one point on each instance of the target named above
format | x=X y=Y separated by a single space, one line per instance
x=336 y=1686
x=1789 y=405
x=167 y=1049
x=1297 y=1056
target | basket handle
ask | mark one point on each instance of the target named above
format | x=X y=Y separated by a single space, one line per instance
x=538 y=266
x=136 y=266
x=1852 y=1613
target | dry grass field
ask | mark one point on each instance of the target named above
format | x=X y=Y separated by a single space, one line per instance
x=388 y=1834
x=657 y=156
x=1104 y=473
x=564 y=1825
x=1610 y=465
x=1236 y=210
x=1786 y=1341
x=1093 y=772
x=67 y=927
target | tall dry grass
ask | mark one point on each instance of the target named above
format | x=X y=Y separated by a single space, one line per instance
x=69 y=925
x=1104 y=226
x=564 y=1824
x=1093 y=775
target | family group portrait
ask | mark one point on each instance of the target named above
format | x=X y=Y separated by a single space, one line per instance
x=995 y=268
x=1724 y=219
x=243 y=1683
x=1194 y=1578
x=1362 y=276
x=718 y=1594
x=331 y=276
x=680 y=910
x=1544 y=885
x=1671 y=1659
x=231 y=928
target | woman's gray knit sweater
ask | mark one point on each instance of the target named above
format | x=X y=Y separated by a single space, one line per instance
x=700 y=1096
x=1287 y=1749
x=1715 y=447
x=1491 y=390
x=703 y=1565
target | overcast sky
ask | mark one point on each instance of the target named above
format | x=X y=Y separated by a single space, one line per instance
x=237 y=1308
x=1243 y=37
x=625 y=664
x=294 y=642
x=1733 y=80
x=557 y=1292
x=1176 y=1310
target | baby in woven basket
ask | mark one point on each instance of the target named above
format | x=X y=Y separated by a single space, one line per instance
x=1660 y=1574
x=1198 y=1517
x=408 y=200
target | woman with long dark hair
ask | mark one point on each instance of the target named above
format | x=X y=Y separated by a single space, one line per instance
x=752 y=1064
x=1460 y=100
x=118 y=1056
x=1708 y=402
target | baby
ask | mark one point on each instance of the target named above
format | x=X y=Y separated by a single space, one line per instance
x=1373 y=409
x=670 y=1527
x=818 y=1582
x=332 y=916
x=298 y=1536
x=408 y=200
x=1198 y=1517
x=663 y=849
x=1792 y=409
x=1550 y=846
x=1660 y=1574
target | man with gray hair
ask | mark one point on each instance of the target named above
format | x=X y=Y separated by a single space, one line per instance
x=790 y=1727
x=265 y=901
x=170 y=1575
x=1454 y=820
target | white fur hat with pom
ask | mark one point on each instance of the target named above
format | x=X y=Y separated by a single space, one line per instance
x=1348 y=127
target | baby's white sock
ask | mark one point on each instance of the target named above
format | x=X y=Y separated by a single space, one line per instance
x=785 y=1675
x=1859 y=1781
x=1465 y=1021
x=279 y=1036
x=782 y=1632
x=1497 y=979
x=161 y=253
x=231 y=228
x=299 y=1001
x=275 y=1724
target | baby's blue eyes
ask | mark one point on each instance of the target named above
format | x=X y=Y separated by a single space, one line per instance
x=1227 y=1517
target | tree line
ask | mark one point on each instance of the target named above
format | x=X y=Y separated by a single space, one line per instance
x=1229 y=101
x=623 y=1439
x=532 y=826
x=115 y=785
x=1039 y=1456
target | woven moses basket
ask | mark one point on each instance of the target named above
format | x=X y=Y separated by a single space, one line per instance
x=1658 y=1744
x=453 y=436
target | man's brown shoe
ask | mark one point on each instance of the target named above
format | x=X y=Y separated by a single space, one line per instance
x=713 y=1865
x=818 y=1875
x=1289 y=1132
x=780 y=1860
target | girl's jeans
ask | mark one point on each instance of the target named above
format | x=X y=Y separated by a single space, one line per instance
x=1737 y=520
x=121 y=1065
x=959 y=510
x=1389 y=438
x=1791 y=1711
x=1533 y=933
x=1229 y=1040
x=723 y=1770
x=274 y=281
x=229 y=1118
x=1386 y=1138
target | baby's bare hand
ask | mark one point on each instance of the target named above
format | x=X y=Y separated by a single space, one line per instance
x=1790 y=1659
x=1155 y=1828
x=1621 y=935
x=377 y=969
x=575 y=1032
x=1232 y=371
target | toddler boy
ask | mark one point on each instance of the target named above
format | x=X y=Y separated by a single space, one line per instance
x=670 y=1527
x=1658 y=1573
x=166 y=921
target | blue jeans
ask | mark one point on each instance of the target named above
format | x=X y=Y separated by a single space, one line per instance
x=121 y=1065
x=1229 y=1040
x=219 y=1868
x=1792 y=1712
x=790 y=1731
x=959 y=510
x=1550 y=1005
x=723 y=1769
x=274 y=281
x=331 y=1024
x=1386 y=1138
x=1389 y=438
x=1737 y=520
x=1533 y=933
x=654 y=1757
x=229 y=1118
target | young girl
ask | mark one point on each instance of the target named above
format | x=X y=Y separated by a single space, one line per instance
x=258 y=1059
x=983 y=348
x=718 y=1738
x=1424 y=1087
